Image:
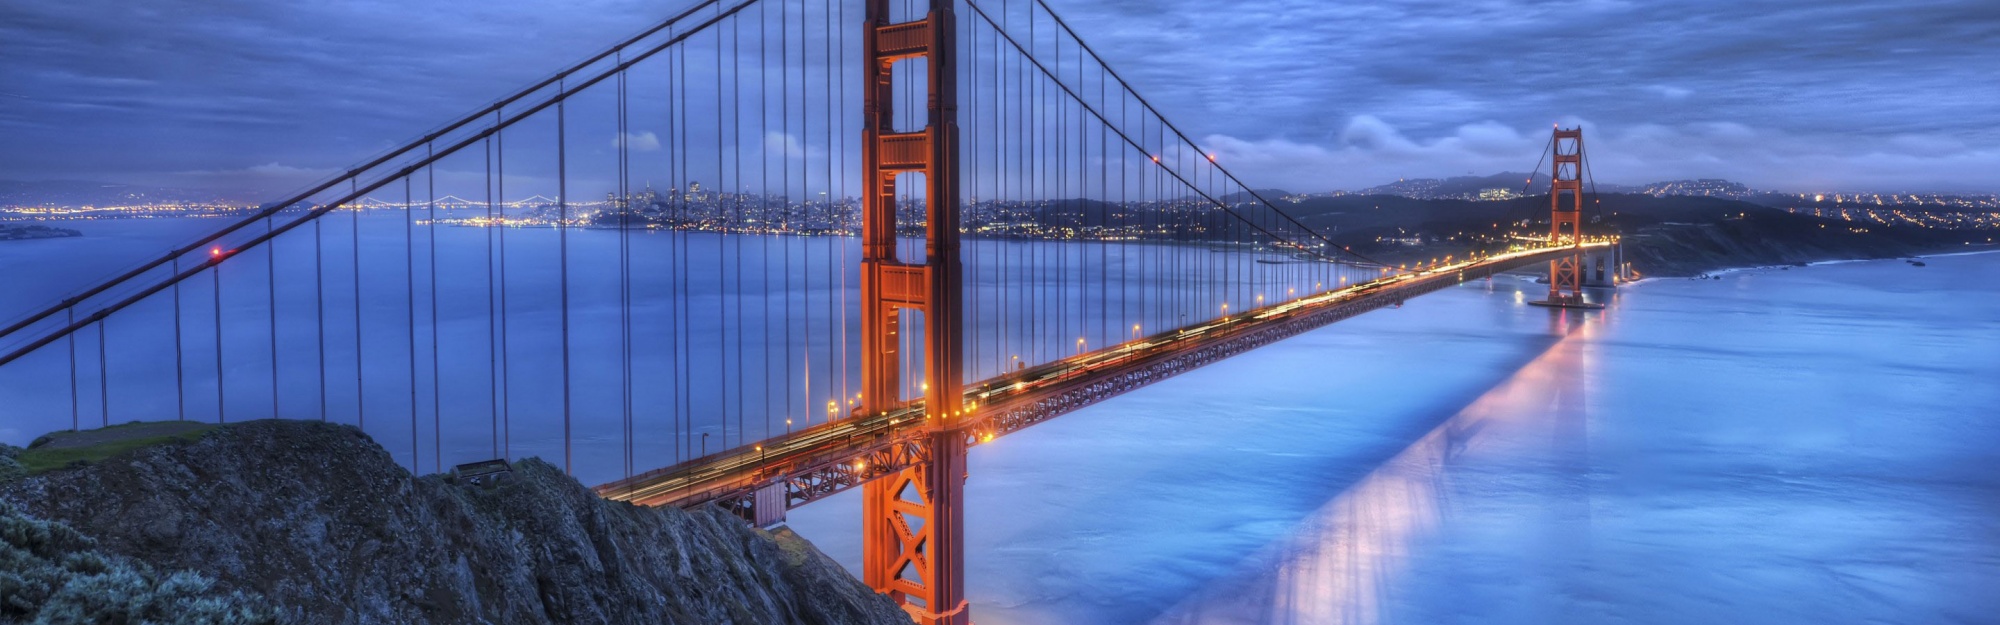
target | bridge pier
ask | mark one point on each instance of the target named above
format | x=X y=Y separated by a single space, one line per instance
x=1604 y=266
x=914 y=534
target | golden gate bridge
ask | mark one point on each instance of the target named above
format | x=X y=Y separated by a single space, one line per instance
x=1031 y=236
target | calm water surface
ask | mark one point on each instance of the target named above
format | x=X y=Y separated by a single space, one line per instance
x=1813 y=445
x=1806 y=446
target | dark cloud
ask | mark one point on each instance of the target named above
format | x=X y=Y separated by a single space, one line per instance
x=148 y=91
x=1779 y=94
x=1307 y=94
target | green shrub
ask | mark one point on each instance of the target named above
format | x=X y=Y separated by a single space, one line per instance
x=10 y=469
x=52 y=575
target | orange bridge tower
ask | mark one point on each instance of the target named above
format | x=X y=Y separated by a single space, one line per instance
x=1566 y=273
x=913 y=526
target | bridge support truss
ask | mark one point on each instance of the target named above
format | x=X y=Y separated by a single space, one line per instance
x=1566 y=273
x=913 y=532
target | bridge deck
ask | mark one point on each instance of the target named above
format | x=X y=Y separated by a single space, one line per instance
x=828 y=458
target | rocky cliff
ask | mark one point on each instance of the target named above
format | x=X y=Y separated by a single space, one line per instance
x=316 y=524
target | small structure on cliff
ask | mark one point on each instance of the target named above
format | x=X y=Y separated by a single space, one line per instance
x=483 y=473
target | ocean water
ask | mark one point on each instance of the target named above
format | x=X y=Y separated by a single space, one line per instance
x=730 y=338
x=1814 y=445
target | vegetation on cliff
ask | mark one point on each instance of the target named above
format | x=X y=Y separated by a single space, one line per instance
x=317 y=522
x=52 y=574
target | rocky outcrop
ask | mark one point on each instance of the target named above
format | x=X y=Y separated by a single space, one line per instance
x=320 y=522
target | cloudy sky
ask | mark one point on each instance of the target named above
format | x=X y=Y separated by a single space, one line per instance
x=1307 y=95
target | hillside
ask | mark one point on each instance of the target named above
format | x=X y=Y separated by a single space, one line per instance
x=1461 y=187
x=1664 y=236
x=83 y=193
x=316 y=524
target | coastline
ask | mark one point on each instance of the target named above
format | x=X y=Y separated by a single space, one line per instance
x=1727 y=271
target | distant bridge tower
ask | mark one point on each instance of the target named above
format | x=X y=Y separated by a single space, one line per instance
x=913 y=526
x=1566 y=274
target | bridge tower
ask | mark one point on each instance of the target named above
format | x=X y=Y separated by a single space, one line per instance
x=913 y=527
x=1566 y=273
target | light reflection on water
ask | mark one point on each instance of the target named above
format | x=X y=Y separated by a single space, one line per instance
x=1801 y=446
x=1780 y=446
x=1341 y=562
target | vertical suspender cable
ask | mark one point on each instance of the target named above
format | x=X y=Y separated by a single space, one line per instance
x=180 y=366
x=430 y=247
x=804 y=220
x=360 y=382
x=1061 y=241
x=271 y=295
x=786 y=236
x=103 y=377
x=562 y=248
x=764 y=200
x=506 y=368
x=1023 y=252
x=835 y=236
x=1036 y=161
x=736 y=215
x=492 y=314
x=671 y=212
x=995 y=246
x=75 y=404
x=676 y=237
x=686 y=267
x=971 y=145
x=624 y=270
x=221 y=406
x=1104 y=329
x=410 y=308
x=319 y=309
x=721 y=244
x=1022 y=287
x=838 y=249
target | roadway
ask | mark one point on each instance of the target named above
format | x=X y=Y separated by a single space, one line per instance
x=830 y=457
